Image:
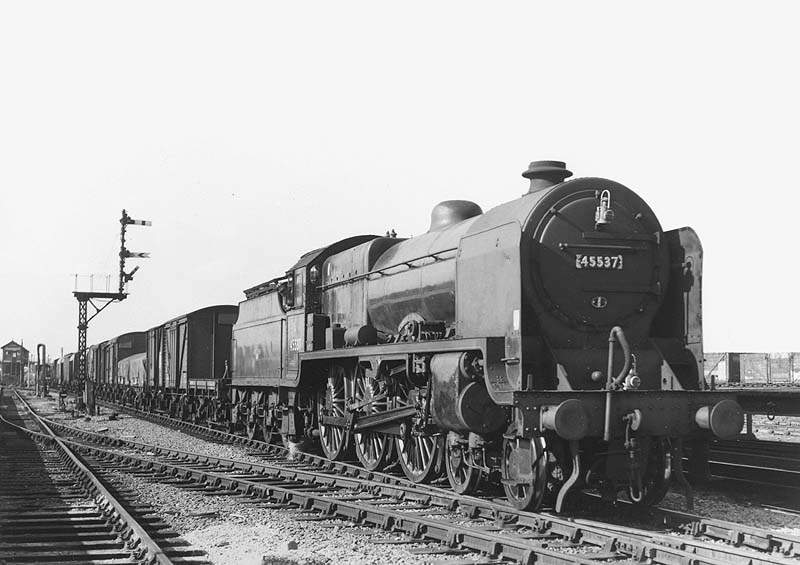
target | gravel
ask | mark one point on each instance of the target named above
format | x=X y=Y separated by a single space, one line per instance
x=237 y=533
x=232 y=530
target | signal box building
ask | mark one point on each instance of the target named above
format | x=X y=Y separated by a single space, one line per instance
x=15 y=359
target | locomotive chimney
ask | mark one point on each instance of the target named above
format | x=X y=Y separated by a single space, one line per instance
x=544 y=174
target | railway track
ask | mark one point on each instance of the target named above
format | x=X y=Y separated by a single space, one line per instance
x=55 y=509
x=402 y=512
x=772 y=463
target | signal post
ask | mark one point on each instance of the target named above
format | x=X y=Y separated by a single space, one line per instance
x=100 y=301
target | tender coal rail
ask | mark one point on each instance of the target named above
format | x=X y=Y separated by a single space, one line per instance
x=53 y=509
x=329 y=490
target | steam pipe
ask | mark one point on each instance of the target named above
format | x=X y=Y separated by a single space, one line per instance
x=616 y=334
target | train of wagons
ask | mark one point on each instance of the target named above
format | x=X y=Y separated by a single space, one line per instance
x=551 y=343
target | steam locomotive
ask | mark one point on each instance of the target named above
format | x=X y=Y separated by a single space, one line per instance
x=551 y=343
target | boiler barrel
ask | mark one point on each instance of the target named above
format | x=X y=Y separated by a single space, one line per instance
x=416 y=276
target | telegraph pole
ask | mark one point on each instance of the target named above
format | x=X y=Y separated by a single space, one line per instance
x=100 y=301
x=41 y=370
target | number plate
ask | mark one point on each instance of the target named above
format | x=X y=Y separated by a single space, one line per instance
x=598 y=261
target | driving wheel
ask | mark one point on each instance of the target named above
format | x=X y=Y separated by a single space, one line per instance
x=332 y=403
x=417 y=452
x=372 y=448
x=418 y=455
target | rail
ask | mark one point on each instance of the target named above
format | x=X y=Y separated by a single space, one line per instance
x=148 y=549
x=328 y=473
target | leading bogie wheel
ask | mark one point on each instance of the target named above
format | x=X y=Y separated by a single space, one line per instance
x=523 y=470
x=657 y=473
x=463 y=475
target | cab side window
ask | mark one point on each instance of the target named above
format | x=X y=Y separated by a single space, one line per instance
x=299 y=287
x=286 y=294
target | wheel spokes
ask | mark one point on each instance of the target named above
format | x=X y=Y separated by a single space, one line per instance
x=417 y=453
x=332 y=402
x=371 y=447
x=462 y=473
x=418 y=456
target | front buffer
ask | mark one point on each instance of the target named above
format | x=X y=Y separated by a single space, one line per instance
x=643 y=432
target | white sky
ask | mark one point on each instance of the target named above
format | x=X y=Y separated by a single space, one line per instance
x=250 y=133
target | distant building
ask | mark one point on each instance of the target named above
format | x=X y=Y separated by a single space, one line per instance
x=15 y=359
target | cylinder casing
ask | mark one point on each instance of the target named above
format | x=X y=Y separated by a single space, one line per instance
x=459 y=400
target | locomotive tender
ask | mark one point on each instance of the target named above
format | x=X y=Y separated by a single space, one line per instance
x=552 y=342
